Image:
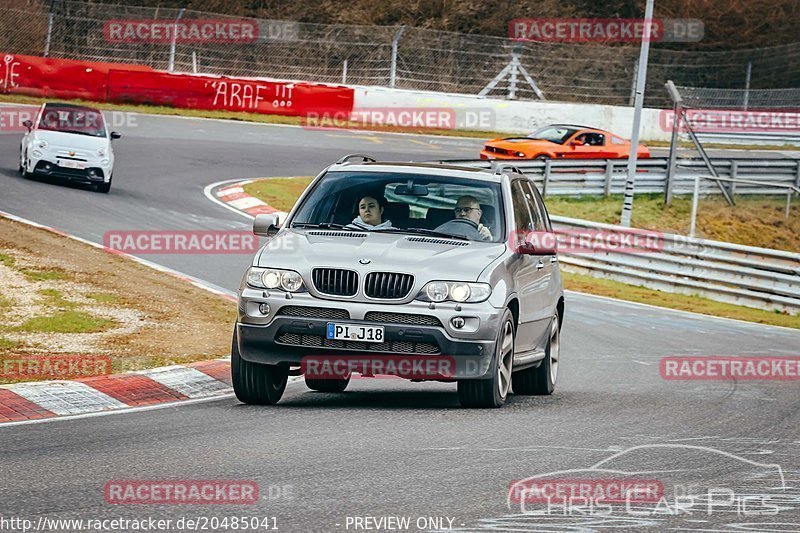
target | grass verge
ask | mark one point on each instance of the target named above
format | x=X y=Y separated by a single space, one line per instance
x=649 y=212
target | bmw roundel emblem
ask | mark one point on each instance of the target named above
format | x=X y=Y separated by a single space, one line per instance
x=364 y=261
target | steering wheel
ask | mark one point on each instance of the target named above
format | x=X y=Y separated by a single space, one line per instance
x=461 y=226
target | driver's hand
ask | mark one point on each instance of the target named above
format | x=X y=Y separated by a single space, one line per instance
x=484 y=231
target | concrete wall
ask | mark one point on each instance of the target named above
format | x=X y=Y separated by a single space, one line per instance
x=517 y=116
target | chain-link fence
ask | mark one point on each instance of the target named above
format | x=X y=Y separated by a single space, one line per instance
x=365 y=55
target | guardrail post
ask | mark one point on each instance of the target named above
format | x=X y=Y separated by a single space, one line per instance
x=788 y=204
x=546 y=177
x=797 y=176
x=609 y=176
x=695 y=198
x=733 y=173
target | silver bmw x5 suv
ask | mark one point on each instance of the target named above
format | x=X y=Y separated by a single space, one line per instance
x=399 y=262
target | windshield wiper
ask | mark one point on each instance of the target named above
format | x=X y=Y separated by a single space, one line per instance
x=78 y=132
x=423 y=231
x=321 y=225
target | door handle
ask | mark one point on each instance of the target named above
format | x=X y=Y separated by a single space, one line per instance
x=540 y=265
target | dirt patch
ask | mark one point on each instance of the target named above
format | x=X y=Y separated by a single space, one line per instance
x=61 y=296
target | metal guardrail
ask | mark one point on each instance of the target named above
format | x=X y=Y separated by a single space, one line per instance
x=575 y=177
x=744 y=275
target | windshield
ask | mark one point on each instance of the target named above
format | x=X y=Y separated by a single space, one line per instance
x=556 y=134
x=405 y=203
x=83 y=121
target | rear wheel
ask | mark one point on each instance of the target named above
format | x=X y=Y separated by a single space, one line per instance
x=492 y=390
x=541 y=380
x=327 y=385
x=256 y=383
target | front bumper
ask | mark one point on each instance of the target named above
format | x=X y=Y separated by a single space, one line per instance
x=90 y=174
x=296 y=328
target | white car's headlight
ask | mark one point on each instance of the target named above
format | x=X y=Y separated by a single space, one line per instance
x=274 y=278
x=41 y=144
x=104 y=162
x=455 y=291
x=36 y=153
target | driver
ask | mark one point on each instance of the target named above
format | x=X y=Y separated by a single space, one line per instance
x=467 y=207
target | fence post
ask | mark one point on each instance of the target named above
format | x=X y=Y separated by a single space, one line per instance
x=632 y=99
x=344 y=72
x=194 y=62
x=546 y=177
x=174 y=40
x=50 y=17
x=609 y=176
x=395 y=42
x=747 y=85
x=694 y=205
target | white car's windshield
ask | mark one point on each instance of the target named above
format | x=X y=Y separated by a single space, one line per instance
x=71 y=119
x=409 y=203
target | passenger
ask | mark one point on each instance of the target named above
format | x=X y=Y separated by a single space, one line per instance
x=468 y=207
x=370 y=214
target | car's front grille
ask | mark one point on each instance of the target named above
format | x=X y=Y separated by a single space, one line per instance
x=313 y=312
x=402 y=318
x=497 y=150
x=335 y=281
x=388 y=285
x=296 y=339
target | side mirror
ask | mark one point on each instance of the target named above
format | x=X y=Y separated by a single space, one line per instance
x=28 y=124
x=115 y=135
x=266 y=225
x=538 y=243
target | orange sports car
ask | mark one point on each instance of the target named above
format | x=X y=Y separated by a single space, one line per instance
x=562 y=141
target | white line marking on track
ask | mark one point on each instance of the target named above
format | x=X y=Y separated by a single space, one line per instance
x=73 y=397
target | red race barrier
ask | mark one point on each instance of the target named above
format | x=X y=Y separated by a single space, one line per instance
x=136 y=84
x=57 y=78
x=229 y=94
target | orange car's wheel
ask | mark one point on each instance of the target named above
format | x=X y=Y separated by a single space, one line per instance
x=542 y=156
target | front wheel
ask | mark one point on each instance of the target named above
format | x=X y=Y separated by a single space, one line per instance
x=493 y=390
x=256 y=383
x=541 y=380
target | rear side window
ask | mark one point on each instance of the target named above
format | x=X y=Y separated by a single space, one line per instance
x=539 y=206
x=523 y=219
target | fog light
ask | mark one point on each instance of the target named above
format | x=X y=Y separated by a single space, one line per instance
x=263 y=308
x=457 y=322
x=92 y=173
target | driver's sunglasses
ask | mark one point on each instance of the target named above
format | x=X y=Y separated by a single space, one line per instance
x=466 y=210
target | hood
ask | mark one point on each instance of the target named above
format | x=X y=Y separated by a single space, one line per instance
x=303 y=250
x=59 y=139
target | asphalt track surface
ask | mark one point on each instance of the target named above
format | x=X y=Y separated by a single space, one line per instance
x=390 y=447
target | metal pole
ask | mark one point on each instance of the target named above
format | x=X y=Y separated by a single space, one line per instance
x=344 y=73
x=194 y=61
x=174 y=39
x=788 y=204
x=50 y=18
x=747 y=85
x=633 y=82
x=694 y=205
x=395 y=41
x=641 y=78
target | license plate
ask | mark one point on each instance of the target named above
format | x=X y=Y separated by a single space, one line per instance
x=71 y=164
x=355 y=332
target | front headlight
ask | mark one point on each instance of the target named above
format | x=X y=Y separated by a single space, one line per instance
x=519 y=154
x=36 y=153
x=455 y=291
x=274 y=278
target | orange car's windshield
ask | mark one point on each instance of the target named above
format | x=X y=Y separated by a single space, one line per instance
x=558 y=135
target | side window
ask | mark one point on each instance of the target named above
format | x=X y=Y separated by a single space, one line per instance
x=600 y=139
x=536 y=213
x=540 y=207
x=523 y=221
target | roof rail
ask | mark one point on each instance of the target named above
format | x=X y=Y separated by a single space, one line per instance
x=363 y=157
x=498 y=170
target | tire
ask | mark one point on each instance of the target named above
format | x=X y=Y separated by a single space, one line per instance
x=255 y=383
x=327 y=385
x=104 y=187
x=543 y=157
x=23 y=169
x=541 y=380
x=492 y=391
